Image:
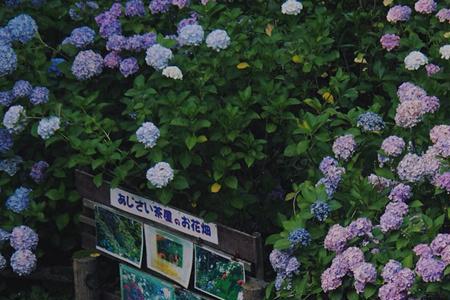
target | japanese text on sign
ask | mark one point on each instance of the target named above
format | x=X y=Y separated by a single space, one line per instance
x=161 y=214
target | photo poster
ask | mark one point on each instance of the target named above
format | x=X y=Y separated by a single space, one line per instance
x=119 y=236
x=181 y=294
x=169 y=255
x=218 y=275
x=137 y=285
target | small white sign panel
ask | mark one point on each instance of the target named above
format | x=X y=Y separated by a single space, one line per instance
x=165 y=215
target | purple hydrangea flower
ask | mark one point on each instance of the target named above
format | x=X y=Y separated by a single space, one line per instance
x=80 y=37
x=440 y=133
x=443 y=15
x=193 y=20
x=191 y=35
x=364 y=273
x=409 y=113
x=390 y=41
x=336 y=238
x=425 y=6
x=430 y=269
x=393 y=146
x=329 y=280
x=423 y=250
x=4 y=235
x=134 y=8
x=432 y=69
x=159 y=6
x=38 y=171
x=180 y=3
x=398 y=13
x=408 y=91
x=331 y=184
x=22 y=88
x=6 y=140
x=116 y=42
x=112 y=60
x=19 y=201
x=129 y=66
x=39 y=95
x=23 y=262
x=411 y=168
x=87 y=64
x=443 y=182
x=390 y=270
x=218 y=40
x=148 y=40
x=439 y=243
x=344 y=147
x=360 y=227
x=400 y=192
x=22 y=28
x=158 y=56
x=23 y=238
x=353 y=257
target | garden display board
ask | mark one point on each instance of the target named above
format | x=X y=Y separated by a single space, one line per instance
x=165 y=253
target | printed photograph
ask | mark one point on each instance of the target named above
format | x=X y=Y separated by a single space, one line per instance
x=186 y=295
x=119 y=236
x=137 y=285
x=169 y=255
x=217 y=275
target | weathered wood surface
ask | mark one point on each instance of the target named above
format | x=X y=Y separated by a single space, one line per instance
x=85 y=278
x=241 y=246
x=254 y=289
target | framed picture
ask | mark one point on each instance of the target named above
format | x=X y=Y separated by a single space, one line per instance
x=186 y=295
x=217 y=274
x=137 y=285
x=169 y=255
x=119 y=236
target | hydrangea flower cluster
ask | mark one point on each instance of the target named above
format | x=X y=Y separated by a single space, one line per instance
x=443 y=181
x=37 y=172
x=82 y=7
x=191 y=35
x=320 y=210
x=285 y=265
x=173 y=72
x=414 y=60
x=48 y=126
x=160 y=175
x=443 y=15
x=159 y=6
x=6 y=140
x=158 y=56
x=390 y=41
x=432 y=69
x=444 y=51
x=299 y=236
x=392 y=219
x=433 y=258
x=425 y=6
x=10 y=165
x=370 y=122
x=129 y=66
x=332 y=175
x=148 y=134
x=397 y=281
x=87 y=64
x=338 y=236
x=19 y=201
x=344 y=147
x=23 y=262
x=380 y=183
x=134 y=8
x=23 y=89
x=23 y=238
x=108 y=21
x=80 y=37
x=218 y=40
x=14 y=119
x=8 y=60
x=54 y=69
x=398 y=13
x=22 y=28
x=291 y=7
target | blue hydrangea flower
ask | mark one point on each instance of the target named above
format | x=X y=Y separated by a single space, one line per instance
x=158 y=56
x=2 y=262
x=370 y=121
x=92 y=5
x=331 y=184
x=22 y=28
x=160 y=175
x=299 y=236
x=37 y=172
x=80 y=37
x=218 y=40
x=5 y=37
x=134 y=8
x=19 y=201
x=6 y=98
x=320 y=210
x=87 y=64
x=14 y=119
x=10 y=165
x=112 y=60
x=191 y=35
x=74 y=14
x=4 y=235
x=129 y=66
x=23 y=262
x=22 y=88
x=13 y=3
x=148 y=134
x=23 y=238
x=38 y=3
x=48 y=126
x=116 y=42
x=159 y=6
x=8 y=60
x=39 y=95
x=54 y=66
x=6 y=140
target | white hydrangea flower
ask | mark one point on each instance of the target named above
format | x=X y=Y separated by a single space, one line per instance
x=14 y=119
x=291 y=7
x=160 y=175
x=445 y=52
x=173 y=72
x=414 y=60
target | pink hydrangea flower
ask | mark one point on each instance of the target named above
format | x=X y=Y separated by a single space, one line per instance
x=390 y=41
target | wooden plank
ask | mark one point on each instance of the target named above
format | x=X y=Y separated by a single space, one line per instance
x=231 y=241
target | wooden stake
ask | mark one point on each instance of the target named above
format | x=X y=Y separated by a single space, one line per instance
x=85 y=278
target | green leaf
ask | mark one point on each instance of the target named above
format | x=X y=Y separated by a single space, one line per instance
x=62 y=221
x=190 y=142
x=180 y=183
x=98 y=180
x=282 y=244
x=302 y=146
x=237 y=202
x=54 y=194
x=290 y=151
x=231 y=182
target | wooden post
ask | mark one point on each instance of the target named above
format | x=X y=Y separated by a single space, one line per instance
x=254 y=289
x=85 y=278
